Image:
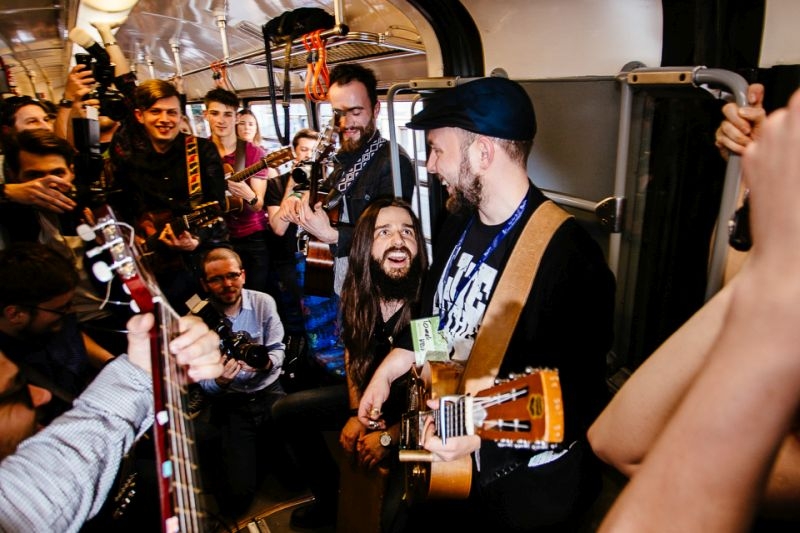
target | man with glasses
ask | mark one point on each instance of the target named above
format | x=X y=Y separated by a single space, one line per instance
x=58 y=478
x=37 y=326
x=243 y=395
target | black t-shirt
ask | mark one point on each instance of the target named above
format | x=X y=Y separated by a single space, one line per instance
x=567 y=321
x=286 y=243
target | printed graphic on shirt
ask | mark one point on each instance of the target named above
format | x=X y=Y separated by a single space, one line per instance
x=463 y=311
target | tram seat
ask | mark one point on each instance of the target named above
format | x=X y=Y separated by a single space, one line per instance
x=361 y=492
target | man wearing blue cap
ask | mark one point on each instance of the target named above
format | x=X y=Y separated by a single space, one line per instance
x=480 y=135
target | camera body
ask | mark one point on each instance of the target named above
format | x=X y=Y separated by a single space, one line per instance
x=236 y=344
x=112 y=104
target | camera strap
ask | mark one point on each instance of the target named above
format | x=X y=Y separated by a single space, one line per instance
x=193 y=172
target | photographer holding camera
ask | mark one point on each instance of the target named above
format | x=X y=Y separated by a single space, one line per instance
x=251 y=338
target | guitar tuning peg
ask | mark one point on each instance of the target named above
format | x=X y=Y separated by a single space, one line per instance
x=85 y=232
x=102 y=272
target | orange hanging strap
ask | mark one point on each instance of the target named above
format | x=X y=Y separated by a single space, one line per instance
x=309 y=65
x=321 y=70
x=316 y=67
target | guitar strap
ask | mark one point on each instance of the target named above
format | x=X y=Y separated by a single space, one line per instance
x=193 y=172
x=241 y=150
x=348 y=177
x=510 y=294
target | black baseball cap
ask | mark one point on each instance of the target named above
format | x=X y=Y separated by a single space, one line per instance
x=493 y=106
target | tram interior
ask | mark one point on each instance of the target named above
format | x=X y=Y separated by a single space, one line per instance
x=639 y=208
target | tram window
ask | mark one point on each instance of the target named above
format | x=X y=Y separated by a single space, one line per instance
x=298 y=119
x=194 y=112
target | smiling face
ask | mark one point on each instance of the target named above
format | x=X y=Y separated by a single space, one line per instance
x=356 y=116
x=222 y=120
x=30 y=117
x=450 y=160
x=394 y=244
x=161 y=121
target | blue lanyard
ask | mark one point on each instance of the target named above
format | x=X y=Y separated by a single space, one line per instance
x=505 y=230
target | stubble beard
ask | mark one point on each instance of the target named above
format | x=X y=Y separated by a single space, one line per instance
x=465 y=199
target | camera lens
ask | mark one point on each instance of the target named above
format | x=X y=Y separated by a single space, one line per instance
x=255 y=355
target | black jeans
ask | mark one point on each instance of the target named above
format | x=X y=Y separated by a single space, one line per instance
x=302 y=417
x=249 y=443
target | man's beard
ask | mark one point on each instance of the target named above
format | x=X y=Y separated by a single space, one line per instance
x=465 y=200
x=401 y=284
x=365 y=134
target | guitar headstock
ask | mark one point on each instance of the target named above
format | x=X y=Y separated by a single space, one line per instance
x=279 y=157
x=107 y=232
x=324 y=145
x=203 y=216
x=526 y=412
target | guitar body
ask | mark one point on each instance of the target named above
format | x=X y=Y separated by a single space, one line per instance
x=319 y=274
x=271 y=160
x=203 y=220
x=441 y=479
x=319 y=259
x=526 y=412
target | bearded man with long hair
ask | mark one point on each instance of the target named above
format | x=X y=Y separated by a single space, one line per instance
x=387 y=261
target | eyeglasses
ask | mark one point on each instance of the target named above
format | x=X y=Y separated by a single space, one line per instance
x=230 y=276
x=61 y=311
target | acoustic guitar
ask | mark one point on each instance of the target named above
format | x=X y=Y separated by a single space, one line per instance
x=524 y=412
x=178 y=477
x=271 y=160
x=205 y=219
x=319 y=273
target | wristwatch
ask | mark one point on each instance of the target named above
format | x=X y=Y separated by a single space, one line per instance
x=386 y=439
x=253 y=202
x=66 y=103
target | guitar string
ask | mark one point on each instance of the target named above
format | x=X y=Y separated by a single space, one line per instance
x=179 y=455
x=182 y=442
x=455 y=414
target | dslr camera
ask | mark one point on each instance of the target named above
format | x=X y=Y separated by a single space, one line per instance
x=112 y=105
x=239 y=344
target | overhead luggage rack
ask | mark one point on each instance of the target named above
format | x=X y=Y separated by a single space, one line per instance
x=353 y=46
x=342 y=46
